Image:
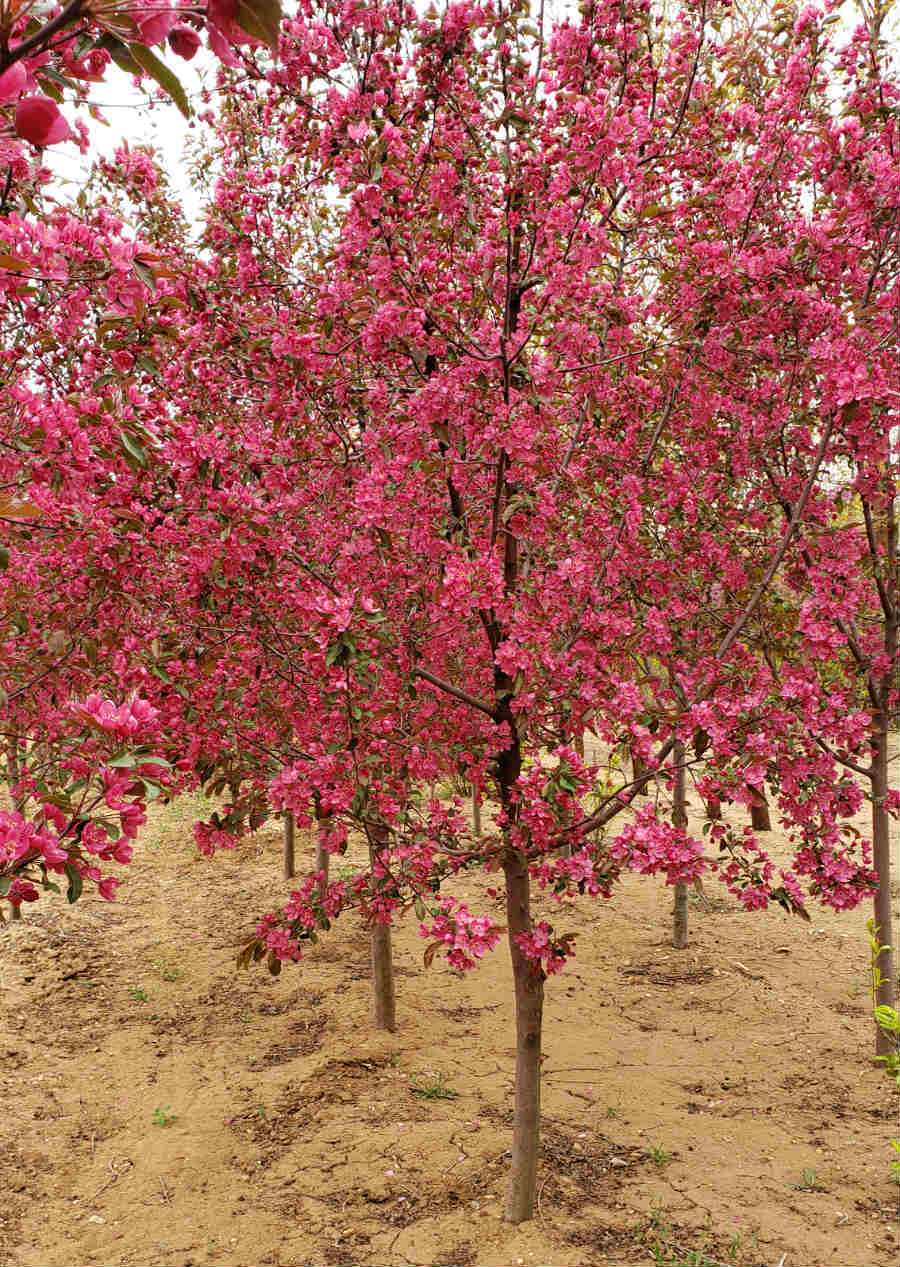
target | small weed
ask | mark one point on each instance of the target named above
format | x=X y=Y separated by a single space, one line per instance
x=433 y=1090
x=808 y=1183
x=139 y=996
x=659 y=1156
x=168 y=970
x=164 y=1116
x=665 y=1253
x=89 y=985
x=611 y=1112
x=261 y=1112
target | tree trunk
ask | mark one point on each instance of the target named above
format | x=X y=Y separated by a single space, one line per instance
x=578 y=744
x=679 y=819
x=382 y=955
x=323 y=857
x=13 y=774
x=713 y=809
x=881 y=858
x=528 y=979
x=638 y=769
x=289 y=870
x=476 y=812
x=759 y=812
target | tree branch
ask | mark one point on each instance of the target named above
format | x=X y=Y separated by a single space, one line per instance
x=456 y=691
x=793 y=524
x=70 y=13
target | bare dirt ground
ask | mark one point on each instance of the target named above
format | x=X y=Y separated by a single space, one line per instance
x=713 y=1105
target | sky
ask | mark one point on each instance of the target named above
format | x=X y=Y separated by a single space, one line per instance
x=140 y=116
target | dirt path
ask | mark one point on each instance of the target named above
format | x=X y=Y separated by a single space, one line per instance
x=160 y=1108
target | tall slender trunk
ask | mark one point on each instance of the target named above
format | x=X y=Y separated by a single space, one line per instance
x=382 y=953
x=528 y=979
x=885 y=927
x=713 y=808
x=323 y=857
x=13 y=774
x=289 y=868
x=679 y=819
x=528 y=983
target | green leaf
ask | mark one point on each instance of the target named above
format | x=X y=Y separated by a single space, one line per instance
x=169 y=82
x=131 y=447
x=421 y=912
x=261 y=19
x=153 y=790
x=119 y=52
x=76 y=884
x=122 y=761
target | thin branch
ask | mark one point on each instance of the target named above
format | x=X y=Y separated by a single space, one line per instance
x=865 y=771
x=793 y=524
x=456 y=691
x=68 y=14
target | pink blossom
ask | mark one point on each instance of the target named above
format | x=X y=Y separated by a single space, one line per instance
x=38 y=120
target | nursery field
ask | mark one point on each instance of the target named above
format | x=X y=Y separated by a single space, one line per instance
x=712 y=1105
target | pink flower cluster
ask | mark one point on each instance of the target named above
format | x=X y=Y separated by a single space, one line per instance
x=209 y=838
x=650 y=846
x=467 y=937
x=838 y=880
x=20 y=840
x=135 y=716
x=541 y=947
x=307 y=910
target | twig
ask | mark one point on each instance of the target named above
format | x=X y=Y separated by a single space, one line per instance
x=126 y=1163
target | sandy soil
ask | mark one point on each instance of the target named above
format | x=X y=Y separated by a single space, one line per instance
x=712 y=1105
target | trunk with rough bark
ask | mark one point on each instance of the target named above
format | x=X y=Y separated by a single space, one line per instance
x=289 y=864
x=679 y=819
x=713 y=809
x=382 y=953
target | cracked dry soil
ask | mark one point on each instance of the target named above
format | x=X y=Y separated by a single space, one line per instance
x=161 y=1107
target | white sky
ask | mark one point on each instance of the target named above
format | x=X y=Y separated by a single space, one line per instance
x=140 y=116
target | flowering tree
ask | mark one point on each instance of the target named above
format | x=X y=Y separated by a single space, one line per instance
x=495 y=392
x=506 y=376
x=62 y=452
